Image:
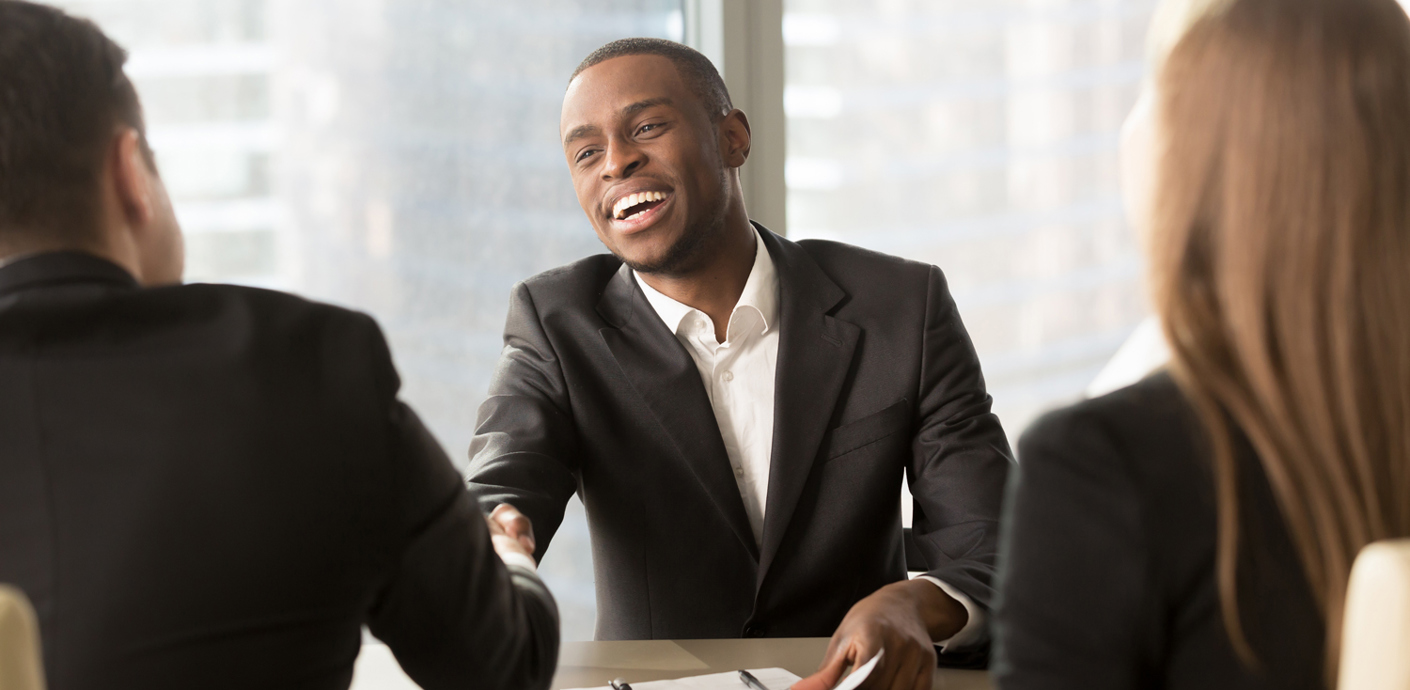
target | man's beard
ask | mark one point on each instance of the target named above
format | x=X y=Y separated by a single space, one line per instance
x=686 y=251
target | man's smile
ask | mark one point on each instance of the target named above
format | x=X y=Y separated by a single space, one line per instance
x=635 y=211
x=633 y=205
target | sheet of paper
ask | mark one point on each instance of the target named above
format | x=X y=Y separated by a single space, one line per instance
x=772 y=678
x=856 y=677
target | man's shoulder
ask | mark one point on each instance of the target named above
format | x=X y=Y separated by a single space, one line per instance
x=264 y=306
x=849 y=263
x=237 y=320
x=577 y=284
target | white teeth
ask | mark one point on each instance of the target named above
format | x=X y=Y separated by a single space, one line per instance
x=631 y=200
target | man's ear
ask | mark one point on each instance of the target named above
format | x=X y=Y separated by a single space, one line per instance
x=131 y=176
x=735 y=138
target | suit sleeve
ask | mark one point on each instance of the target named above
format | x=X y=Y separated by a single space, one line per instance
x=960 y=458
x=450 y=610
x=524 y=452
x=1074 y=564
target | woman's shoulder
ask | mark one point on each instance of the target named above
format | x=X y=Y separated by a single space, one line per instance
x=1146 y=433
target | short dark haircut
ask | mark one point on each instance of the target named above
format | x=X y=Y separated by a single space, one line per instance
x=62 y=95
x=696 y=70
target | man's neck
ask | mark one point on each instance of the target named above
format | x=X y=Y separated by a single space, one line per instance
x=13 y=251
x=715 y=285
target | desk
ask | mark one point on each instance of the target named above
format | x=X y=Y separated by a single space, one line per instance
x=586 y=664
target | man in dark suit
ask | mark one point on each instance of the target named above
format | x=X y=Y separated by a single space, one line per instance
x=737 y=410
x=210 y=486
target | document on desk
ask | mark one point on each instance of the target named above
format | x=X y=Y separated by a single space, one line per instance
x=772 y=678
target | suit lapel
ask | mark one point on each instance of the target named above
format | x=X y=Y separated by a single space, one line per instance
x=814 y=355
x=665 y=376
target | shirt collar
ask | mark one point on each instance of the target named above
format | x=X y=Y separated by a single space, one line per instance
x=760 y=293
x=50 y=268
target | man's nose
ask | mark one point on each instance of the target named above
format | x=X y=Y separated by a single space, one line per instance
x=623 y=159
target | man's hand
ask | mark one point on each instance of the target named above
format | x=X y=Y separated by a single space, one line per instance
x=511 y=531
x=904 y=618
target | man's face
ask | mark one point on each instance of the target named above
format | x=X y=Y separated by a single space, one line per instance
x=646 y=161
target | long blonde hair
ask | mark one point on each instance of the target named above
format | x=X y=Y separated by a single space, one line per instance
x=1280 y=261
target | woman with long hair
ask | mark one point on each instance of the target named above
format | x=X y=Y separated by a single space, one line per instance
x=1197 y=529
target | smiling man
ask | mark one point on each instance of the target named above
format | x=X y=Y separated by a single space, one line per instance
x=736 y=410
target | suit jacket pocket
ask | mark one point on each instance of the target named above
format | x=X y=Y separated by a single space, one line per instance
x=869 y=429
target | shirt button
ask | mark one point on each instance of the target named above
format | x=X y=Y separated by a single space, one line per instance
x=739 y=471
x=727 y=376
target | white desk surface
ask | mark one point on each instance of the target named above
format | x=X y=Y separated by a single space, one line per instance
x=587 y=664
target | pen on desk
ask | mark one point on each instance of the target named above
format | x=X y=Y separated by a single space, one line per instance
x=749 y=679
x=619 y=684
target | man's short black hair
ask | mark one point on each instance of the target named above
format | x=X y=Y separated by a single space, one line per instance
x=696 y=70
x=62 y=95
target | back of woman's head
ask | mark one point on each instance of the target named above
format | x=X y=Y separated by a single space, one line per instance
x=1280 y=259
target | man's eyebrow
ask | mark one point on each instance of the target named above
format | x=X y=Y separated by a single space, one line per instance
x=579 y=132
x=643 y=105
x=584 y=130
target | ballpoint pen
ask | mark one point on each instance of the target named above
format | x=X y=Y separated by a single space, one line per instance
x=751 y=681
x=619 y=684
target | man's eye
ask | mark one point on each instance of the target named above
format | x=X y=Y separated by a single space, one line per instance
x=647 y=127
x=583 y=156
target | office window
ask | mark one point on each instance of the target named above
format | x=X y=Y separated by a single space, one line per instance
x=401 y=157
x=979 y=136
x=398 y=157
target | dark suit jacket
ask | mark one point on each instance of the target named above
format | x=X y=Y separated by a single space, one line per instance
x=1108 y=566
x=876 y=378
x=211 y=486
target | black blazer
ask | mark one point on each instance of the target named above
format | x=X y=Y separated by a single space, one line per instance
x=1108 y=568
x=211 y=486
x=876 y=377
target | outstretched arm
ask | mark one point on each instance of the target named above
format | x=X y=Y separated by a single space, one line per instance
x=449 y=608
x=524 y=453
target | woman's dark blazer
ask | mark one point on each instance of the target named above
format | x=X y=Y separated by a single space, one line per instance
x=1107 y=565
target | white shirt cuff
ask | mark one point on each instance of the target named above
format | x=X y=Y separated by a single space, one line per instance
x=523 y=561
x=973 y=630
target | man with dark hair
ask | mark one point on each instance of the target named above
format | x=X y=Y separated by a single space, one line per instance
x=211 y=486
x=737 y=410
x=695 y=70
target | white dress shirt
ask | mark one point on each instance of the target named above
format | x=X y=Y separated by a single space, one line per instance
x=739 y=379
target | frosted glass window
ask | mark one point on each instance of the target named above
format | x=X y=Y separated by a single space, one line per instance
x=979 y=135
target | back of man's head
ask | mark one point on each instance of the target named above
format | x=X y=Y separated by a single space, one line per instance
x=63 y=95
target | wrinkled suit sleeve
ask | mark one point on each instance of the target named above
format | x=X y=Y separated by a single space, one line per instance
x=960 y=459
x=525 y=448
x=450 y=610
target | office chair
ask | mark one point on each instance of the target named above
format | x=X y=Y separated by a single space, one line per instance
x=1375 y=643
x=21 y=666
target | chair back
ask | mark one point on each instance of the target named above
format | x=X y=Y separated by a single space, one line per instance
x=1375 y=646
x=21 y=664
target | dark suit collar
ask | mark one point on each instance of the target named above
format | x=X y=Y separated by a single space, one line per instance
x=57 y=268
x=664 y=375
x=799 y=274
x=618 y=301
x=797 y=271
x=814 y=357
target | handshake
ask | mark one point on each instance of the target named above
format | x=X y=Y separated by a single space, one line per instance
x=512 y=535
